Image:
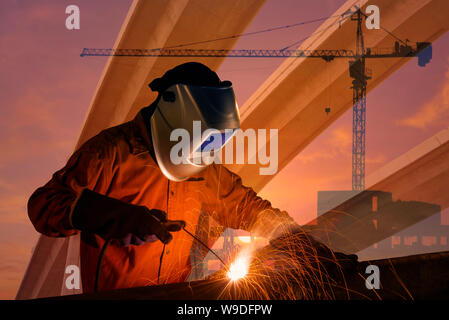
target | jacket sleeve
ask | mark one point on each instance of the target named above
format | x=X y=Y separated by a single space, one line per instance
x=239 y=207
x=49 y=207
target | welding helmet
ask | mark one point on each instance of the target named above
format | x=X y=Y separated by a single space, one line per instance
x=195 y=116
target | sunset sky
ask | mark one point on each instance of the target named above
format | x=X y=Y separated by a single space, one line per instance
x=46 y=89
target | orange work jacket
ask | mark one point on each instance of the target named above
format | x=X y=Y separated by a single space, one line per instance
x=119 y=163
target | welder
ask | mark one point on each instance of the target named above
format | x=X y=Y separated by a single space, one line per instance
x=122 y=186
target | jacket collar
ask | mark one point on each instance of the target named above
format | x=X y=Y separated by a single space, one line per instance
x=141 y=125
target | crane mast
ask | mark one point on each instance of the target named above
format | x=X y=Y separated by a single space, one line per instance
x=358 y=72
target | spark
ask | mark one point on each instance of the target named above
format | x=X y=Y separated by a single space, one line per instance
x=244 y=239
x=238 y=269
x=291 y=267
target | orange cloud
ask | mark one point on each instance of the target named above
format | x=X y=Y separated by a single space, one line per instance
x=341 y=137
x=15 y=258
x=324 y=165
x=433 y=112
x=380 y=158
x=13 y=209
x=337 y=145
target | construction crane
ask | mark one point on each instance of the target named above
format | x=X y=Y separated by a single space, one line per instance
x=360 y=75
x=357 y=71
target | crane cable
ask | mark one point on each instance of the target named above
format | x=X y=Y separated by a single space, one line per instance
x=281 y=28
x=317 y=32
x=389 y=32
x=250 y=33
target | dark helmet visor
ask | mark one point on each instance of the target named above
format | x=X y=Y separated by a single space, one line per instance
x=217 y=105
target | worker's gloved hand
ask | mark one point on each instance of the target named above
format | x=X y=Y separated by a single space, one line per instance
x=171 y=225
x=114 y=219
x=296 y=242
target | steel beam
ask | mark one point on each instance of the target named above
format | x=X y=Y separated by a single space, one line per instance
x=415 y=277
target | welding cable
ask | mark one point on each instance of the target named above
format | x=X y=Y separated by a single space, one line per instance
x=107 y=242
x=206 y=246
x=195 y=238
x=100 y=259
x=160 y=263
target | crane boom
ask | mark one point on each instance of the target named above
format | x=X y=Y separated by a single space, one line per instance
x=325 y=54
